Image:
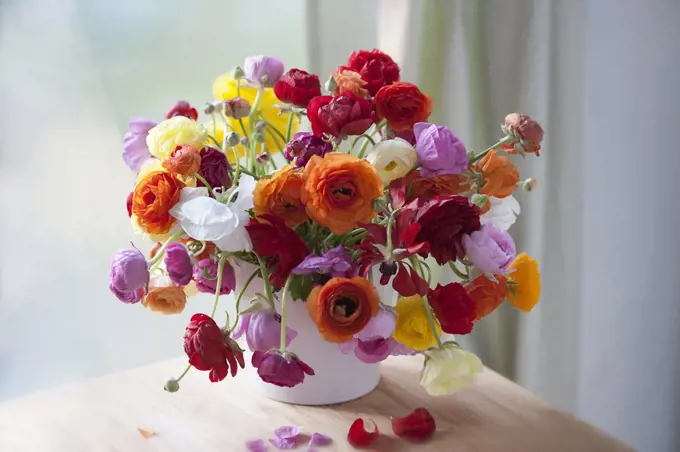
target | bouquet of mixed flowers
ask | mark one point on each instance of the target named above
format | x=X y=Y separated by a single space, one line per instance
x=373 y=196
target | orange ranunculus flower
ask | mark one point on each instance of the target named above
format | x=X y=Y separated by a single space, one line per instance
x=184 y=160
x=339 y=190
x=165 y=297
x=447 y=184
x=402 y=104
x=486 y=294
x=500 y=175
x=153 y=197
x=280 y=196
x=351 y=81
x=342 y=307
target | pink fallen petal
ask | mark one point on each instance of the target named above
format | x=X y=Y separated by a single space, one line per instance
x=287 y=432
x=283 y=443
x=256 y=445
x=319 y=439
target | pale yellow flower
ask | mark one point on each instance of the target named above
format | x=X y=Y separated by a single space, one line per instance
x=393 y=159
x=449 y=369
x=176 y=131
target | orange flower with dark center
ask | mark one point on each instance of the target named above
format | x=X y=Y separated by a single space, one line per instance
x=447 y=184
x=487 y=294
x=342 y=307
x=339 y=190
x=500 y=175
x=152 y=200
x=280 y=196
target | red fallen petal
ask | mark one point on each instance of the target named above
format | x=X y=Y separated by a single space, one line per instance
x=358 y=436
x=417 y=426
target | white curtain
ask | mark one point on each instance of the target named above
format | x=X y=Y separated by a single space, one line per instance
x=601 y=76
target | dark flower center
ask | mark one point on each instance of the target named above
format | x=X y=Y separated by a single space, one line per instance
x=345 y=307
x=388 y=268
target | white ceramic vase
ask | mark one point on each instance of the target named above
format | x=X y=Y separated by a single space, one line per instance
x=338 y=377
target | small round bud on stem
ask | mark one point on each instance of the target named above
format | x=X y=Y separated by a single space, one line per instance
x=244 y=142
x=232 y=139
x=262 y=158
x=529 y=184
x=260 y=126
x=171 y=385
x=209 y=109
x=236 y=108
x=238 y=72
x=259 y=137
x=331 y=85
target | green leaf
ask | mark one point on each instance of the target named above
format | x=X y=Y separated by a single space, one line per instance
x=301 y=286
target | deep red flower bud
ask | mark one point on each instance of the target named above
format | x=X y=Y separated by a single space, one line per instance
x=339 y=116
x=182 y=108
x=297 y=87
x=210 y=348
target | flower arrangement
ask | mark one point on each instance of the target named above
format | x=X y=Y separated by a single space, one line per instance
x=373 y=196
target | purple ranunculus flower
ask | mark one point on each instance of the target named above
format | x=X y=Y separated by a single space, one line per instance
x=178 y=264
x=214 y=168
x=205 y=275
x=129 y=270
x=439 y=150
x=490 y=249
x=375 y=342
x=303 y=146
x=262 y=330
x=280 y=369
x=263 y=70
x=128 y=297
x=334 y=262
x=135 y=151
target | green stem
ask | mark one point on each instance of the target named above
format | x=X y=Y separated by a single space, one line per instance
x=218 y=287
x=364 y=146
x=243 y=128
x=267 y=285
x=214 y=140
x=251 y=123
x=501 y=142
x=159 y=254
x=390 y=221
x=426 y=305
x=284 y=295
x=238 y=87
x=207 y=185
x=273 y=129
x=289 y=130
x=186 y=370
x=240 y=295
x=458 y=273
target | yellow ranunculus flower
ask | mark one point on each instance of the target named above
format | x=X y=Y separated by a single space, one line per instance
x=523 y=272
x=413 y=329
x=449 y=369
x=225 y=88
x=176 y=131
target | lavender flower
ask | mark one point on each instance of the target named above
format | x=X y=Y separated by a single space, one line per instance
x=334 y=262
x=205 y=275
x=135 y=151
x=490 y=249
x=303 y=146
x=178 y=264
x=439 y=150
x=263 y=70
x=262 y=330
x=375 y=342
x=129 y=275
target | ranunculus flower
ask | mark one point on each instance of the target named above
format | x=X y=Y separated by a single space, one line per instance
x=528 y=134
x=163 y=139
x=214 y=168
x=439 y=150
x=210 y=348
x=341 y=115
x=280 y=195
x=339 y=191
x=178 y=264
x=297 y=87
x=334 y=262
x=129 y=275
x=303 y=146
x=487 y=294
x=490 y=249
x=449 y=369
x=281 y=247
x=132 y=297
x=392 y=159
x=402 y=105
x=182 y=108
x=374 y=343
x=350 y=81
x=500 y=175
x=135 y=150
x=280 y=369
x=164 y=297
x=342 y=307
x=263 y=70
x=204 y=218
x=184 y=160
x=236 y=108
x=453 y=307
x=153 y=198
x=376 y=68
x=262 y=330
x=413 y=329
x=443 y=221
x=428 y=188
x=502 y=212
x=205 y=275
x=525 y=282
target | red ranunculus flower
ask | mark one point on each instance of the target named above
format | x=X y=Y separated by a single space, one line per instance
x=402 y=105
x=210 y=348
x=453 y=307
x=182 y=108
x=443 y=221
x=375 y=67
x=282 y=247
x=297 y=87
x=342 y=115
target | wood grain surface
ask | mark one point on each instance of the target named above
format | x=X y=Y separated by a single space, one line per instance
x=104 y=414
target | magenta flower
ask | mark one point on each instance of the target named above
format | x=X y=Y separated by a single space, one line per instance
x=280 y=369
x=303 y=146
x=334 y=262
x=129 y=275
x=262 y=330
x=178 y=264
x=263 y=70
x=439 y=150
x=374 y=343
x=182 y=108
x=135 y=151
x=214 y=168
x=205 y=275
x=490 y=249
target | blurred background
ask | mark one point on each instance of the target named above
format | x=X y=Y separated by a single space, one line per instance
x=600 y=75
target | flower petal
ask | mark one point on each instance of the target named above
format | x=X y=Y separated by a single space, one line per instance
x=417 y=426
x=205 y=218
x=281 y=443
x=358 y=436
x=145 y=432
x=288 y=432
x=502 y=213
x=319 y=439
x=380 y=326
x=256 y=445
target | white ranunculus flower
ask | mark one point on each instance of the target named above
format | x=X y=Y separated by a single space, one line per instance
x=449 y=369
x=205 y=218
x=393 y=159
x=503 y=212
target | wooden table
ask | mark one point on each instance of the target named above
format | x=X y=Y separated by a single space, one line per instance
x=104 y=414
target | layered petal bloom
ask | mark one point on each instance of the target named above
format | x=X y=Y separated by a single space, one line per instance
x=500 y=175
x=135 y=150
x=413 y=328
x=341 y=115
x=280 y=196
x=525 y=282
x=375 y=342
x=303 y=146
x=184 y=160
x=262 y=330
x=527 y=134
x=392 y=159
x=129 y=275
x=428 y=188
x=164 y=297
x=490 y=249
x=375 y=67
x=205 y=275
x=402 y=105
x=487 y=294
x=210 y=348
x=439 y=150
x=152 y=200
x=182 y=108
x=280 y=369
x=163 y=139
x=178 y=264
x=297 y=87
x=214 y=168
x=334 y=262
x=502 y=212
x=453 y=307
x=349 y=81
x=449 y=369
x=263 y=70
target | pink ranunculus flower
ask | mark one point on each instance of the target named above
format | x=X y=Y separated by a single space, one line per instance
x=280 y=368
x=439 y=150
x=129 y=275
x=205 y=275
x=178 y=264
x=490 y=249
x=262 y=330
x=374 y=343
x=135 y=150
x=263 y=70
